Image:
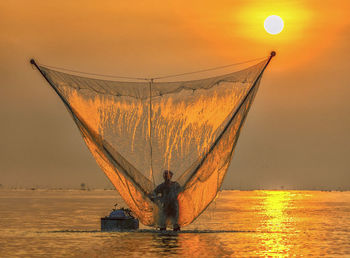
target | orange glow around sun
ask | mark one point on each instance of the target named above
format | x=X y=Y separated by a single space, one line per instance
x=295 y=42
x=296 y=21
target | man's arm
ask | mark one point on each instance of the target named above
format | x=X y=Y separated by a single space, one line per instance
x=158 y=189
x=179 y=189
x=153 y=195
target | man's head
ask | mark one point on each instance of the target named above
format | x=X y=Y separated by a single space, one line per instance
x=167 y=175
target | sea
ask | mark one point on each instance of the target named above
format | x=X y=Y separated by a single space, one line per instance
x=66 y=223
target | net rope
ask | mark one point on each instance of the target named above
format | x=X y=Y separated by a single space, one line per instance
x=155 y=77
x=137 y=129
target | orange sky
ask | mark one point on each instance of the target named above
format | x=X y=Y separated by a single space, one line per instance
x=296 y=133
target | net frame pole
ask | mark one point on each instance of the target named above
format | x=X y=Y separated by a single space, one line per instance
x=150 y=129
x=32 y=61
x=272 y=54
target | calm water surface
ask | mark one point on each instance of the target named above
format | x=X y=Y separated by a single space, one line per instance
x=47 y=223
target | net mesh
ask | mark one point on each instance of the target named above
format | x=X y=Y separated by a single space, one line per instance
x=136 y=130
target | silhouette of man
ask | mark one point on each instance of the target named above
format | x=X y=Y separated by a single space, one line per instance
x=166 y=193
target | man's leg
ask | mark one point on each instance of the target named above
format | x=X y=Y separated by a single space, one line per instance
x=175 y=218
x=162 y=219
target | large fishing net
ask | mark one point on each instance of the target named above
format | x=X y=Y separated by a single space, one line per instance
x=136 y=130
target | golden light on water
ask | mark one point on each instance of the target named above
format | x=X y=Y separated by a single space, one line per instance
x=274 y=207
x=275 y=204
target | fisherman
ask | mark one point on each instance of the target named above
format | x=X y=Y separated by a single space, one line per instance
x=166 y=194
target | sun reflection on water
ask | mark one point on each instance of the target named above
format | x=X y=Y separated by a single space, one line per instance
x=275 y=223
x=274 y=207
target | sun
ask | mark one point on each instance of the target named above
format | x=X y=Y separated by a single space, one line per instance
x=273 y=24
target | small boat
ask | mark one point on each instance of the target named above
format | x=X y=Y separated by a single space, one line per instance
x=119 y=220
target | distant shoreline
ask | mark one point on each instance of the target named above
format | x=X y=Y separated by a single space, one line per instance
x=110 y=189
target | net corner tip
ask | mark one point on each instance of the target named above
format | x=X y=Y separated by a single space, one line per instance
x=32 y=61
x=273 y=53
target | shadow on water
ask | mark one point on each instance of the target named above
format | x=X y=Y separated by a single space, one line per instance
x=151 y=242
x=166 y=243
